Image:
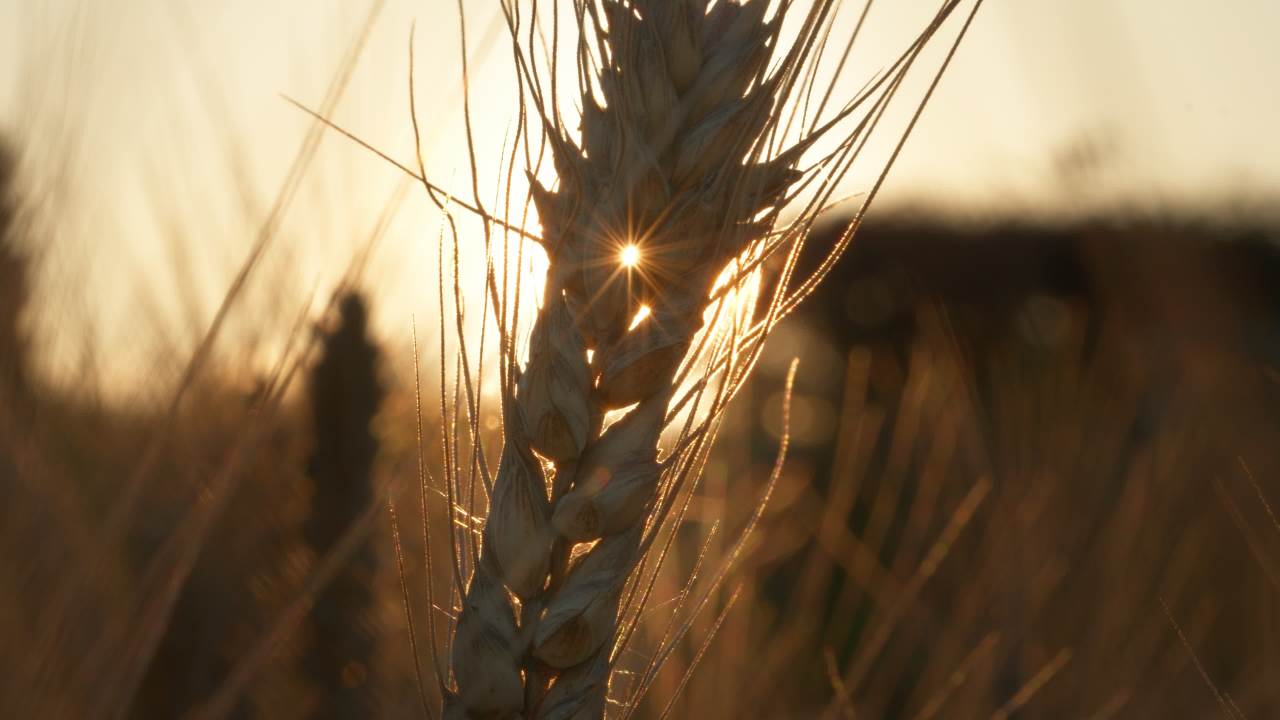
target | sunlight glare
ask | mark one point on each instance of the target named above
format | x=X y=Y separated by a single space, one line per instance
x=630 y=256
x=641 y=314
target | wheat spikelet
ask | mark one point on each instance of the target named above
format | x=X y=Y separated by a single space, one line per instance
x=680 y=163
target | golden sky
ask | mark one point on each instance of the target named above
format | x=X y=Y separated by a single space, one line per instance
x=157 y=129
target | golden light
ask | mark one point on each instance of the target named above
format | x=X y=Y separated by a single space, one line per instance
x=630 y=256
x=641 y=314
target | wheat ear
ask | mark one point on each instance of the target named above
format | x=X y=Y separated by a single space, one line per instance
x=679 y=169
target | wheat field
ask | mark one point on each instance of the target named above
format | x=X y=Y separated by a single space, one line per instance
x=678 y=416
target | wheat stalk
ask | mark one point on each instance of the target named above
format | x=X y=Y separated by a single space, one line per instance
x=694 y=121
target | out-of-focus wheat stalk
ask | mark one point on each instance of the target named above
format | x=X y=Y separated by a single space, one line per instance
x=700 y=125
x=14 y=285
x=345 y=394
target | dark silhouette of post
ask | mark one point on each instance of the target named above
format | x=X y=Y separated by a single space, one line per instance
x=345 y=395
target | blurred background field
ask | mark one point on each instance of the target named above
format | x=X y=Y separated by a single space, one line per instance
x=1033 y=462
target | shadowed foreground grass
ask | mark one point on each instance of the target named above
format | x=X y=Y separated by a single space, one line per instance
x=1029 y=478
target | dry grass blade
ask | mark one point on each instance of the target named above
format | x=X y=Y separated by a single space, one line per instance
x=1225 y=703
x=408 y=609
x=123 y=508
x=957 y=678
x=868 y=653
x=697 y=658
x=1037 y=681
x=1262 y=497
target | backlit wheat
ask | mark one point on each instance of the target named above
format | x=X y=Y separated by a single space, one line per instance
x=691 y=137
